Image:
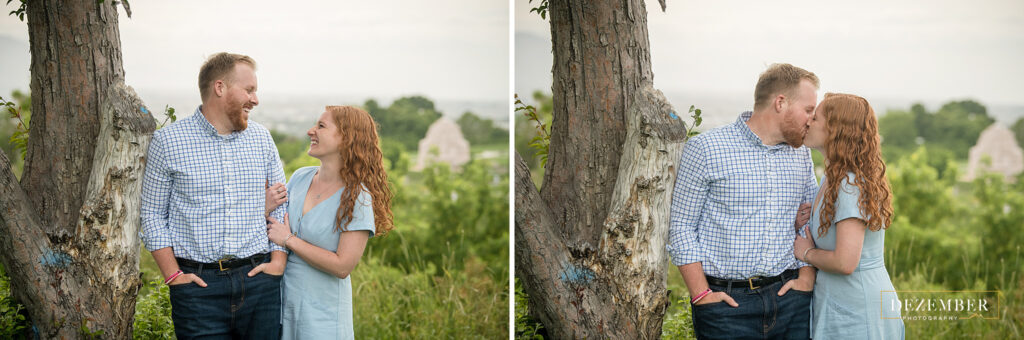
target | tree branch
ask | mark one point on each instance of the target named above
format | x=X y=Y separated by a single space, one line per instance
x=24 y=247
x=542 y=261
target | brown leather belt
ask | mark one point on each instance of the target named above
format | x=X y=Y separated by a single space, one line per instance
x=224 y=264
x=754 y=282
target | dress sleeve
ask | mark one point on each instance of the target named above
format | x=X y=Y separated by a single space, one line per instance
x=847 y=201
x=362 y=214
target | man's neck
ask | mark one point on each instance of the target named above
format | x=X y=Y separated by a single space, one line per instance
x=218 y=119
x=762 y=125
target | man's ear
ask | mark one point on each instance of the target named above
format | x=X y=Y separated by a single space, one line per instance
x=219 y=87
x=778 y=103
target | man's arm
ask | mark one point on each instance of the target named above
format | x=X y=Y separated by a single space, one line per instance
x=688 y=199
x=157 y=184
x=805 y=280
x=275 y=174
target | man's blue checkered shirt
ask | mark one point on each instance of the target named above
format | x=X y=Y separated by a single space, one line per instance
x=735 y=202
x=204 y=194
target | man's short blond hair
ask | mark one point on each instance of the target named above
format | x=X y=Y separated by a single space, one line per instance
x=218 y=67
x=780 y=79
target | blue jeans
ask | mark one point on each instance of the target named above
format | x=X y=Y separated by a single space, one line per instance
x=232 y=306
x=762 y=314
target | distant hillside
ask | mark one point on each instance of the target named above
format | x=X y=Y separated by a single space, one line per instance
x=293 y=114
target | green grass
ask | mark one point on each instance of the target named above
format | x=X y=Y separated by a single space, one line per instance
x=396 y=303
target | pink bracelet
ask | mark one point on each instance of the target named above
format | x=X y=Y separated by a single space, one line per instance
x=700 y=296
x=172 y=277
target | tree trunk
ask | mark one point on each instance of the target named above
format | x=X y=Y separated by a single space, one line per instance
x=590 y=245
x=69 y=230
x=601 y=57
x=618 y=290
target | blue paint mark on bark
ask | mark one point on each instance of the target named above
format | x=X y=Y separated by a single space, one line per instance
x=143 y=108
x=576 y=275
x=673 y=115
x=55 y=259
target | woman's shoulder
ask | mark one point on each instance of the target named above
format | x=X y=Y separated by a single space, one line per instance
x=848 y=187
x=848 y=184
x=365 y=197
x=303 y=172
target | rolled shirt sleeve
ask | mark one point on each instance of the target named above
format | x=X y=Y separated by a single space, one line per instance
x=156 y=191
x=688 y=199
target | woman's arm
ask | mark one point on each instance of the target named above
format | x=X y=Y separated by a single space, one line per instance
x=340 y=263
x=846 y=257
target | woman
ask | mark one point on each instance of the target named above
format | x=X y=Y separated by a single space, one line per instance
x=335 y=208
x=851 y=211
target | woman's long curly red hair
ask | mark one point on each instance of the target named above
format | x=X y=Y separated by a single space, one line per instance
x=853 y=145
x=361 y=163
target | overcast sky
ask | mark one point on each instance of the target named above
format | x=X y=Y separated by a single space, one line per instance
x=919 y=49
x=444 y=49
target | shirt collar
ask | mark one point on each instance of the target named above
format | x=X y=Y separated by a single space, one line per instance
x=752 y=137
x=208 y=127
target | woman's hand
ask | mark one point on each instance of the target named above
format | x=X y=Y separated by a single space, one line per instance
x=801 y=244
x=803 y=214
x=277 y=194
x=278 y=232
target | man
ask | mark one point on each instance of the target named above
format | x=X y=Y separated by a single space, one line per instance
x=737 y=193
x=203 y=210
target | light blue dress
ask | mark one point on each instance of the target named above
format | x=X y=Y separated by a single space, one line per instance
x=318 y=305
x=854 y=306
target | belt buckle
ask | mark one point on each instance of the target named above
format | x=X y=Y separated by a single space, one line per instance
x=751 y=282
x=220 y=263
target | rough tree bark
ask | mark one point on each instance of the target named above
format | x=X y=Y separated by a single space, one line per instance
x=590 y=245
x=69 y=230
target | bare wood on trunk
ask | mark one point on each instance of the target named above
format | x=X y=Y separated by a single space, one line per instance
x=632 y=249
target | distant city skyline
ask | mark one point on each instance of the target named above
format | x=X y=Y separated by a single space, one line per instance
x=443 y=50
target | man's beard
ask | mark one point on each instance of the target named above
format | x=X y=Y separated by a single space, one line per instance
x=792 y=133
x=235 y=116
